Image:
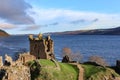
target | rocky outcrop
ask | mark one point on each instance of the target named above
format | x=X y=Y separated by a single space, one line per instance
x=3 y=33
x=66 y=59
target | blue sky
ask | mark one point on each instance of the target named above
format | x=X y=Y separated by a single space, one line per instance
x=105 y=6
x=35 y=16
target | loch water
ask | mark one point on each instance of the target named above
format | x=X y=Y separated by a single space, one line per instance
x=106 y=46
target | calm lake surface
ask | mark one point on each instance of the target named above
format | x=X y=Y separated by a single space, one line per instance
x=106 y=46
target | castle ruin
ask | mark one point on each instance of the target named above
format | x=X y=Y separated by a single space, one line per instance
x=41 y=48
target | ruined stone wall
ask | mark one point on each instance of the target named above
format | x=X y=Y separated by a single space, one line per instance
x=25 y=57
x=16 y=73
x=49 y=44
x=41 y=48
x=50 y=48
x=1 y=62
x=38 y=49
x=16 y=70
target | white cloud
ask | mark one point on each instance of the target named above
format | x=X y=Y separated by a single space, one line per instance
x=31 y=28
x=7 y=26
x=15 y=11
x=64 y=17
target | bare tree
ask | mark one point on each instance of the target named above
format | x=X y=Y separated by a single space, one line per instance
x=66 y=51
x=98 y=60
x=76 y=56
x=72 y=56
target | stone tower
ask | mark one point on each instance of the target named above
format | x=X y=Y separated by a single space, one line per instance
x=41 y=48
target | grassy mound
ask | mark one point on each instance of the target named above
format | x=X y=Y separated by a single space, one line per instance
x=93 y=72
x=49 y=71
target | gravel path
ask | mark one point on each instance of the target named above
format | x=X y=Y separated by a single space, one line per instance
x=81 y=71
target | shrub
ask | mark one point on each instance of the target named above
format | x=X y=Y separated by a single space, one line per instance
x=98 y=60
x=66 y=51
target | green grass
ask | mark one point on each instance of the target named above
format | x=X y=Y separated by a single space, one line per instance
x=91 y=69
x=44 y=62
x=69 y=71
x=49 y=71
x=97 y=72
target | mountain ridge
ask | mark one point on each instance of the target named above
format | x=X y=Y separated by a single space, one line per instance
x=110 y=31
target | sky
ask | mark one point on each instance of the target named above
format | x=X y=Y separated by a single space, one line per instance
x=41 y=16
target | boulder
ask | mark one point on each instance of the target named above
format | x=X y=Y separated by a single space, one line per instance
x=66 y=59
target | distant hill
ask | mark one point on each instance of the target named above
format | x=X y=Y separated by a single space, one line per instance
x=111 y=31
x=3 y=33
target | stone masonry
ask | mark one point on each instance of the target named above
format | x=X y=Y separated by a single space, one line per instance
x=15 y=70
x=20 y=72
x=41 y=48
x=25 y=57
x=1 y=62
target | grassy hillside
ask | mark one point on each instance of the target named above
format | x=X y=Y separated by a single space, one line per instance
x=49 y=71
x=93 y=72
